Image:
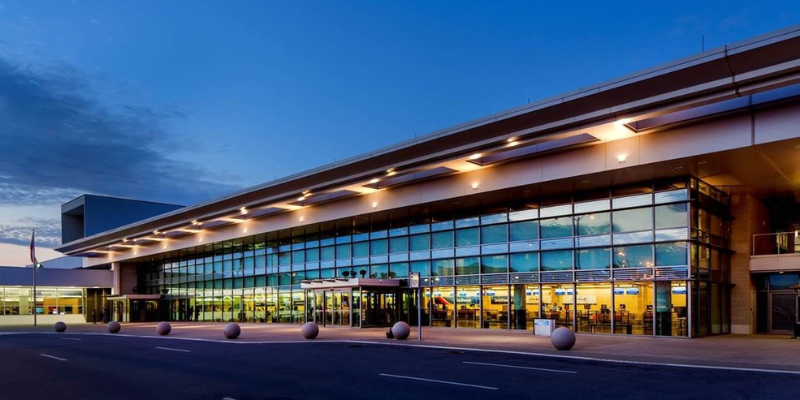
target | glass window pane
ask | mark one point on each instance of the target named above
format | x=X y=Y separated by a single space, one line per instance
x=528 y=230
x=633 y=220
x=326 y=253
x=441 y=240
x=638 y=256
x=379 y=271
x=556 y=260
x=594 y=258
x=672 y=216
x=441 y=267
x=467 y=266
x=556 y=227
x=593 y=224
x=379 y=247
x=399 y=271
x=467 y=237
x=525 y=262
x=398 y=245
x=360 y=249
x=494 y=264
x=343 y=251
x=668 y=254
x=420 y=242
x=422 y=267
x=494 y=234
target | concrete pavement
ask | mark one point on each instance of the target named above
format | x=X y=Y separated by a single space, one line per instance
x=727 y=351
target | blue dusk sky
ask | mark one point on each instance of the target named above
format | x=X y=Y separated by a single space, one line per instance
x=182 y=101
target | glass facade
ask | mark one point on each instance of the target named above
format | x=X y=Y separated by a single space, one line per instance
x=49 y=300
x=629 y=260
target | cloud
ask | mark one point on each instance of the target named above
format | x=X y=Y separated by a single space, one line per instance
x=58 y=141
x=48 y=231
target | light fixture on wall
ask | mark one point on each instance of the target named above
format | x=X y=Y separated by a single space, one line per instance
x=622 y=158
x=374 y=204
x=243 y=210
x=475 y=185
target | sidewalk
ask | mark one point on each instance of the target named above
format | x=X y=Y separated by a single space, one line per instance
x=732 y=351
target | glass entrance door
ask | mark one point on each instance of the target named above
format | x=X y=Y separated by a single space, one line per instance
x=783 y=313
x=332 y=307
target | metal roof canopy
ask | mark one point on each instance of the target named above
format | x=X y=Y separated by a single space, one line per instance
x=762 y=63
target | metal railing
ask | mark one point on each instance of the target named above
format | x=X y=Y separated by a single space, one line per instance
x=776 y=243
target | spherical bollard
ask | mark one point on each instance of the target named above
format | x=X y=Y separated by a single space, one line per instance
x=309 y=330
x=401 y=330
x=232 y=330
x=163 y=328
x=114 y=327
x=563 y=338
x=60 y=326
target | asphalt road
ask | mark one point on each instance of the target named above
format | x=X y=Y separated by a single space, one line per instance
x=64 y=366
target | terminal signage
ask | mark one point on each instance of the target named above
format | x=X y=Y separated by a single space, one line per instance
x=413 y=282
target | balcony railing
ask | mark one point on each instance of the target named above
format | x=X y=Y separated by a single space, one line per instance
x=776 y=243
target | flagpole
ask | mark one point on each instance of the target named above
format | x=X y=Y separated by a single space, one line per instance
x=34 y=294
x=35 y=262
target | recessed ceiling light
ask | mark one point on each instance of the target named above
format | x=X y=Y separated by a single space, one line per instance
x=243 y=210
x=511 y=140
x=156 y=232
x=512 y=144
x=475 y=156
x=301 y=198
x=374 y=181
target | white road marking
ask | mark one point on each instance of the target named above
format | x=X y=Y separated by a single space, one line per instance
x=477 y=350
x=69 y=338
x=438 y=381
x=521 y=367
x=228 y=398
x=171 y=349
x=53 y=357
x=584 y=358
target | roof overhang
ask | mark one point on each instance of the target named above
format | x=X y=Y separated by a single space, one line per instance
x=760 y=64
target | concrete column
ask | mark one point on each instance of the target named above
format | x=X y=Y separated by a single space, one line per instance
x=750 y=217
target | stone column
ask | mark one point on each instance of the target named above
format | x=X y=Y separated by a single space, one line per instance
x=750 y=216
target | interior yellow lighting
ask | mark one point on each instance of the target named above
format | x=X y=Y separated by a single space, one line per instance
x=475 y=156
x=622 y=158
x=475 y=185
x=374 y=181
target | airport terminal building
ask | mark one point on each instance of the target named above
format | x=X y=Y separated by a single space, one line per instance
x=663 y=203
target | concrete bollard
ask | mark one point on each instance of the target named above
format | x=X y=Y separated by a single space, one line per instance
x=310 y=330
x=401 y=330
x=232 y=330
x=563 y=338
x=60 y=326
x=114 y=327
x=163 y=328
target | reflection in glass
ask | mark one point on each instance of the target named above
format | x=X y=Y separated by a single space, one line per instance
x=556 y=260
x=593 y=224
x=638 y=256
x=556 y=227
x=633 y=220
x=599 y=258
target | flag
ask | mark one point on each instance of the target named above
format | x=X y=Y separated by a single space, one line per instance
x=33 y=248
